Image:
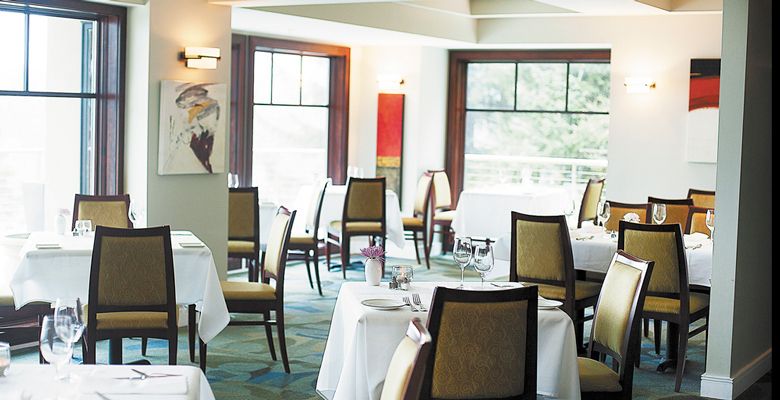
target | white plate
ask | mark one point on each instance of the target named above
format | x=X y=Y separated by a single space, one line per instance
x=547 y=304
x=191 y=244
x=44 y=246
x=383 y=304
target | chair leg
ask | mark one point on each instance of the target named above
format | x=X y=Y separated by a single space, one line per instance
x=416 y=247
x=646 y=325
x=426 y=249
x=260 y=270
x=657 y=335
x=317 y=269
x=327 y=254
x=267 y=318
x=202 y=355
x=282 y=341
x=173 y=345
x=144 y=344
x=681 y=349
x=344 y=255
x=579 y=329
x=308 y=269
x=192 y=330
x=115 y=351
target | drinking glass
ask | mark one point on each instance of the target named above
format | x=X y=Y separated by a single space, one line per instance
x=569 y=211
x=54 y=349
x=659 y=213
x=69 y=320
x=78 y=227
x=483 y=260
x=710 y=221
x=604 y=214
x=5 y=357
x=461 y=252
x=87 y=226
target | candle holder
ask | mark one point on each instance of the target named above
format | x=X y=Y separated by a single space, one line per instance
x=403 y=275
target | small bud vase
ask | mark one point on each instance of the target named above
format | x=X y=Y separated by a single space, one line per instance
x=373 y=271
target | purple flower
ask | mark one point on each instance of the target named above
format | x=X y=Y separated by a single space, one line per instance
x=374 y=253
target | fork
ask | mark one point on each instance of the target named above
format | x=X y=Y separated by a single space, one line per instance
x=418 y=302
x=409 y=303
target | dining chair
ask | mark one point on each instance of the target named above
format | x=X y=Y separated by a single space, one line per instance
x=676 y=211
x=131 y=290
x=541 y=255
x=110 y=211
x=263 y=297
x=697 y=220
x=702 y=198
x=443 y=209
x=617 y=211
x=407 y=367
x=589 y=207
x=418 y=223
x=22 y=324
x=484 y=344
x=669 y=297
x=615 y=330
x=309 y=242
x=363 y=215
x=244 y=228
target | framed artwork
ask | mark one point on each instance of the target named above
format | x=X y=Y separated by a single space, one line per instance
x=703 y=102
x=390 y=139
x=193 y=125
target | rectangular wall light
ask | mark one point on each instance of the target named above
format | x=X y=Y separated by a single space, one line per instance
x=200 y=57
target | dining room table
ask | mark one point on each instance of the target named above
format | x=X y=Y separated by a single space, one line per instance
x=104 y=382
x=362 y=340
x=53 y=266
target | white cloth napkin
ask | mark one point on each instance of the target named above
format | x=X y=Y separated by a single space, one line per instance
x=631 y=217
x=155 y=385
x=695 y=238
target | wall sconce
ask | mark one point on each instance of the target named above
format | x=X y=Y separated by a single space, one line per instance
x=638 y=84
x=200 y=57
x=389 y=83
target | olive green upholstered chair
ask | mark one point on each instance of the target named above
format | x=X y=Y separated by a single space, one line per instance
x=110 y=211
x=443 y=208
x=669 y=297
x=131 y=290
x=541 y=255
x=499 y=327
x=308 y=242
x=363 y=215
x=676 y=211
x=615 y=330
x=405 y=373
x=418 y=223
x=619 y=210
x=697 y=220
x=589 y=207
x=244 y=228
x=702 y=198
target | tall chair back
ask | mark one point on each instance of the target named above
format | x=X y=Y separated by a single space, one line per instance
x=589 y=208
x=697 y=220
x=676 y=211
x=442 y=193
x=423 y=196
x=407 y=367
x=243 y=211
x=702 y=198
x=313 y=219
x=109 y=211
x=500 y=326
x=277 y=249
x=619 y=210
x=365 y=201
x=662 y=244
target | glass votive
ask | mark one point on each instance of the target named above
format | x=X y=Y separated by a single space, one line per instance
x=403 y=274
x=5 y=357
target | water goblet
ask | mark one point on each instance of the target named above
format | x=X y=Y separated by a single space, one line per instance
x=483 y=260
x=461 y=253
x=604 y=213
x=54 y=349
x=710 y=222
x=659 y=213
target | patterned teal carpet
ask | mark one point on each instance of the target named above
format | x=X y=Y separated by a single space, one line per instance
x=240 y=366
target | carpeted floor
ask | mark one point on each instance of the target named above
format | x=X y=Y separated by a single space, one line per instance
x=240 y=367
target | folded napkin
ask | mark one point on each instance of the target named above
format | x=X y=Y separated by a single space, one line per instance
x=631 y=217
x=695 y=239
x=47 y=246
x=191 y=244
x=148 y=386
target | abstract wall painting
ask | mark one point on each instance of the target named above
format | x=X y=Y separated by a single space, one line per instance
x=389 y=139
x=703 y=102
x=193 y=125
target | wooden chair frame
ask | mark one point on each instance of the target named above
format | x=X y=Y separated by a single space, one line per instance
x=679 y=324
x=420 y=336
x=445 y=226
x=631 y=339
x=443 y=295
x=92 y=334
x=414 y=230
x=695 y=210
x=591 y=184
x=314 y=247
x=616 y=204
x=78 y=198
x=692 y=192
x=255 y=262
x=674 y=202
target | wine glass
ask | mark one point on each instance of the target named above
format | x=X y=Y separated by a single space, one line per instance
x=461 y=252
x=86 y=226
x=569 y=212
x=54 y=349
x=604 y=214
x=710 y=222
x=78 y=227
x=659 y=213
x=69 y=320
x=483 y=260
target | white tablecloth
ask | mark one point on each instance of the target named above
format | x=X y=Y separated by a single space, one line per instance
x=45 y=275
x=487 y=213
x=362 y=340
x=36 y=382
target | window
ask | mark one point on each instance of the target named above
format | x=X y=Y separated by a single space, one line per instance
x=293 y=97
x=528 y=116
x=59 y=134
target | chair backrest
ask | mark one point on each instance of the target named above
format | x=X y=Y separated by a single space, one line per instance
x=617 y=316
x=132 y=270
x=313 y=223
x=277 y=247
x=702 y=198
x=423 y=196
x=243 y=214
x=697 y=220
x=365 y=200
x=407 y=367
x=442 y=193
x=676 y=211
x=619 y=210
x=110 y=211
x=541 y=252
x=499 y=329
x=662 y=244
x=589 y=208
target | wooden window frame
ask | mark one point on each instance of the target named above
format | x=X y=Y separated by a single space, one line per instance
x=242 y=99
x=456 y=96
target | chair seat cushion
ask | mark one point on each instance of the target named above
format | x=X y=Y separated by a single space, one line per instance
x=663 y=305
x=302 y=239
x=444 y=216
x=247 y=291
x=597 y=377
x=131 y=319
x=356 y=227
x=412 y=223
x=241 y=247
x=582 y=290
x=6 y=297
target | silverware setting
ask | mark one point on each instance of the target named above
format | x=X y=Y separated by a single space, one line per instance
x=102 y=396
x=418 y=302
x=693 y=247
x=409 y=303
x=142 y=375
x=501 y=286
x=584 y=238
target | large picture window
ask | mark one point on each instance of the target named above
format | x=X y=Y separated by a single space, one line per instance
x=521 y=116
x=60 y=107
